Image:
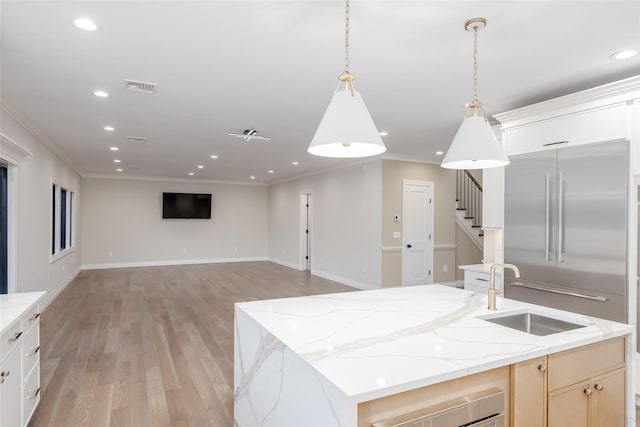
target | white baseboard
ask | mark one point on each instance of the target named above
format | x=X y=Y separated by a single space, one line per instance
x=353 y=283
x=52 y=295
x=285 y=263
x=170 y=262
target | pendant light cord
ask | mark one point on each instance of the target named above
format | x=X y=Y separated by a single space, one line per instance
x=475 y=64
x=346 y=36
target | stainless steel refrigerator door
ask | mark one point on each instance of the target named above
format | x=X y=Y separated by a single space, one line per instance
x=592 y=221
x=530 y=217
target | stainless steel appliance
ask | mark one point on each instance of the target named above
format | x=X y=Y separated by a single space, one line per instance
x=566 y=228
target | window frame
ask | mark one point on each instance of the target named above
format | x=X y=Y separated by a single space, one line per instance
x=58 y=214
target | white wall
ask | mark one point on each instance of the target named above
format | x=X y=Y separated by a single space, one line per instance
x=34 y=177
x=346 y=217
x=122 y=224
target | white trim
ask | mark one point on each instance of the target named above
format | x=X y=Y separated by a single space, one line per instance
x=172 y=179
x=391 y=248
x=50 y=296
x=11 y=151
x=40 y=137
x=353 y=283
x=325 y=170
x=12 y=228
x=409 y=158
x=284 y=263
x=460 y=222
x=171 y=262
x=59 y=255
x=444 y=247
x=611 y=93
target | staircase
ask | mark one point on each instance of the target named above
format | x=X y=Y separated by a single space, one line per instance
x=469 y=206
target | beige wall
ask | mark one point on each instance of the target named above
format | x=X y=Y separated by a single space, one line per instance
x=34 y=270
x=122 y=223
x=393 y=173
x=466 y=252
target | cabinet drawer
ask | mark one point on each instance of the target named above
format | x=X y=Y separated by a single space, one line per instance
x=30 y=349
x=597 y=125
x=11 y=339
x=31 y=318
x=571 y=366
x=480 y=279
x=31 y=394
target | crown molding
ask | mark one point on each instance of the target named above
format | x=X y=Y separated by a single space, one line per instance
x=11 y=151
x=607 y=94
x=171 y=179
x=39 y=136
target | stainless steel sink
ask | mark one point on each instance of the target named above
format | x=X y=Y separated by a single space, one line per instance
x=534 y=324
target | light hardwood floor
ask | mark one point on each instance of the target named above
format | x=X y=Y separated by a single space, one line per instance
x=152 y=346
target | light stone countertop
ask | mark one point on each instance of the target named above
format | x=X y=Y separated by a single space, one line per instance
x=13 y=307
x=370 y=344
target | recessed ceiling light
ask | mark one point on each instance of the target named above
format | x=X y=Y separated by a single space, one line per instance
x=101 y=94
x=190 y=173
x=252 y=177
x=118 y=170
x=109 y=128
x=213 y=156
x=624 y=54
x=295 y=163
x=439 y=153
x=116 y=161
x=383 y=133
x=113 y=148
x=200 y=166
x=271 y=171
x=85 y=24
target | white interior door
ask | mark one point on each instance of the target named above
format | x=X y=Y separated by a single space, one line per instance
x=417 y=233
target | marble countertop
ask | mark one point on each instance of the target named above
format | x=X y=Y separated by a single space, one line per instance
x=371 y=344
x=13 y=307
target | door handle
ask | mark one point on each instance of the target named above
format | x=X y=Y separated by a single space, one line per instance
x=560 y=217
x=409 y=246
x=546 y=218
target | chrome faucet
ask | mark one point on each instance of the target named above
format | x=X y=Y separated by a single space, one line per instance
x=492 y=283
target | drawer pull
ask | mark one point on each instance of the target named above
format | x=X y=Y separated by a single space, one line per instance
x=599 y=387
x=587 y=391
x=482 y=279
x=34 y=395
x=542 y=367
x=34 y=351
x=34 y=317
x=555 y=143
x=15 y=336
x=561 y=292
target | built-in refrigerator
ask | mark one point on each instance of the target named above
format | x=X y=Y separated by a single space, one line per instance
x=566 y=228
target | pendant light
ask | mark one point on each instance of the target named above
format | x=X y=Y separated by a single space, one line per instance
x=475 y=145
x=346 y=129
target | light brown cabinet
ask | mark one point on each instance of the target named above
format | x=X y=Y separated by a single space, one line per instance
x=529 y=388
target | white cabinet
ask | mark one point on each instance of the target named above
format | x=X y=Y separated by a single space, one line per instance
x=476 y=277
x=19 y=358
x=608 y=123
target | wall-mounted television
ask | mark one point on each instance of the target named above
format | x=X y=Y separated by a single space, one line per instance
x=186 y=206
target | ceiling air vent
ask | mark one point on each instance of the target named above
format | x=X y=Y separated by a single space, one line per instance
x=138 y=86
x=136 y=139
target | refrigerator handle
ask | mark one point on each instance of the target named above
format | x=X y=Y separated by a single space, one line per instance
x=560 y=217
x=547 y=179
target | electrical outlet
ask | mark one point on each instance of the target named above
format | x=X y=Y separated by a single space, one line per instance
x=445 y=268
x=109 y=253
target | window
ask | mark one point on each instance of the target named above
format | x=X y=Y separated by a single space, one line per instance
x=4 y=274
x=62 y=217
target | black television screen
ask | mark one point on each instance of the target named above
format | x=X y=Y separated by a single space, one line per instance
x=186 y=205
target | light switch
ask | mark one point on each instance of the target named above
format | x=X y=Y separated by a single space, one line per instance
x=396 y=234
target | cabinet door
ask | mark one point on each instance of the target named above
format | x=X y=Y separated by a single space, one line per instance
x=10 y=389
x=529 y=393
x=569 y=407
x=607 y=400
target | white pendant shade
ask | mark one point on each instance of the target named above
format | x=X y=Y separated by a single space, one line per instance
x=346 y=129
x=474 y=147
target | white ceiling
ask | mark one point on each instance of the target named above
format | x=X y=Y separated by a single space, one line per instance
x=272 y=66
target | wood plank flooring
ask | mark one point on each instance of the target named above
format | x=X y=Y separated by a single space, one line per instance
x=152 y=346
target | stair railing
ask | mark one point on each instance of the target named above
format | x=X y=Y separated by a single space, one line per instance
x=469 y=198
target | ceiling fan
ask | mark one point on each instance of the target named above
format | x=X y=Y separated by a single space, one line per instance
x=249 y=134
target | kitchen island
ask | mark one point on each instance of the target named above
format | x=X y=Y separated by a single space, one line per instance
x=318 y=360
